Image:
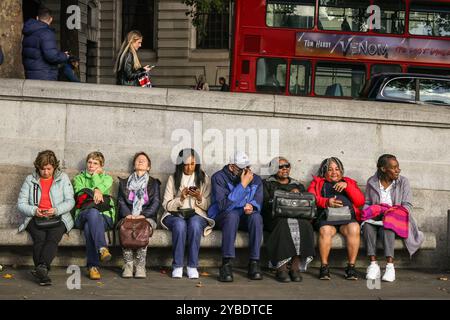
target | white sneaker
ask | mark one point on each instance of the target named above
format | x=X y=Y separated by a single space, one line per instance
x=389 y=274
x=373 y=271
x=177 y=273
x=192 y=273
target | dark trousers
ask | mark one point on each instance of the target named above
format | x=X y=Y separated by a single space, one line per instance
x=45 y=242
x=94 y=224
x=233 y=221
x=190 y=230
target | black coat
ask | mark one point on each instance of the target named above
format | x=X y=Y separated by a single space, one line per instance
x=150 y=209
x=40 y=55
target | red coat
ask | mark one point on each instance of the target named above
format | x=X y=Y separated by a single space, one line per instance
x=353 y=193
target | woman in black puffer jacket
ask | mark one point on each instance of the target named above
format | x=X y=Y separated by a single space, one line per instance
x=128 y=68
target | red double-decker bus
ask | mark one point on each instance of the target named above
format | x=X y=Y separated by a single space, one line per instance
x=331 y=47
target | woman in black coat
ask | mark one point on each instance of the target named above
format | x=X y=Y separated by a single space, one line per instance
x=289 y=239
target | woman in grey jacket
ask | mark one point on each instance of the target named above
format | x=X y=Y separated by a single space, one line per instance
x=389 y=188
x=47 y=193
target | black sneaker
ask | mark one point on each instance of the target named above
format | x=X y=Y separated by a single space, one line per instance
x=41 y=274
x=226 y=273
x=350 y=272
x=324 y=273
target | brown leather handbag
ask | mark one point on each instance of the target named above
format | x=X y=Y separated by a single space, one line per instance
x=134 y=233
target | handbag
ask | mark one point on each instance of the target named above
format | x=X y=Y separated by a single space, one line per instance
x=85 y=200
x=134 y=233
x=184 y=213
x=338 y=214
x=44 y=222
x=144 y=80
x=294 y=205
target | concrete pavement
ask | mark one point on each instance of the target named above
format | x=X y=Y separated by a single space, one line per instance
x=410 y=284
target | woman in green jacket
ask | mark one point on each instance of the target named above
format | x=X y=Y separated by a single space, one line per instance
x=95 y=210
x=46 y=194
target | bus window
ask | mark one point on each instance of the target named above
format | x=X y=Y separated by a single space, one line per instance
x=429 y=70
x=290 y=13
x=429 y=19
x=300 y=78
x=339 y=80
x=403 y=89
x=385 y=68
x=271 y=75
x=392 y=16
x=434 y=91
x=343 y=15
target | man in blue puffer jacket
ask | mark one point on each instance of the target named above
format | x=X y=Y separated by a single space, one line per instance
x=40 y=55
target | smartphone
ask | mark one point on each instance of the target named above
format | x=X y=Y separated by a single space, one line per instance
x=193 y=189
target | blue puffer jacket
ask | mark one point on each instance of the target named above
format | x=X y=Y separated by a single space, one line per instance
x=40 y=55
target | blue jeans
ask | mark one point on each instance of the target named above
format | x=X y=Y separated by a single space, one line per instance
x=94 y=225
x=185 y=229
x=233 y=221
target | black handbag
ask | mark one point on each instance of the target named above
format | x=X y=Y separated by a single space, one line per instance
x=183 y=213
x=44 y=222
x=294 y=205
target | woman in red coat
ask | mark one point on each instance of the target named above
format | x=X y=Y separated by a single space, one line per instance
x=338 y=200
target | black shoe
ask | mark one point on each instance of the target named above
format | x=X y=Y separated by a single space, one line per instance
x=41 y=273
x=226 y=273
x=350 y=272
x=324 y=273
x=295 y=276
x=254 y=271
x=283 y=276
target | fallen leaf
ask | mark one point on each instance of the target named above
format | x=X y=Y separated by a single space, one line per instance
x=8 y=276
x=199 y=285
x=100 y=283
x=163 y=271
x=205 y=274
x=443 y=278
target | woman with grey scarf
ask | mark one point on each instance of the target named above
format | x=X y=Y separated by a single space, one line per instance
x=138 y=198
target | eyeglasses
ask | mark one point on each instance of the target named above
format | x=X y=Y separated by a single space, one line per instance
x=284 y=166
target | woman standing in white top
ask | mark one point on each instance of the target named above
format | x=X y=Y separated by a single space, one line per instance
x=186 y=202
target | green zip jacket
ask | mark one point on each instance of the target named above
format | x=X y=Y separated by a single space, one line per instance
x=102 y=182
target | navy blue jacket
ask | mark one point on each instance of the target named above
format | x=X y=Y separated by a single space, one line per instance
x=1 y=55
x=40 y=56
x=228 y=194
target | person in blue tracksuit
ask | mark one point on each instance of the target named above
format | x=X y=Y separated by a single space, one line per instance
x=237 y=198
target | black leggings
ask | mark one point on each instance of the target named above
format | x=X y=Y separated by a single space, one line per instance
x=45 y=242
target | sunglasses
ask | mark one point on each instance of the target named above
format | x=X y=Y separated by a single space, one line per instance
x=284 y=166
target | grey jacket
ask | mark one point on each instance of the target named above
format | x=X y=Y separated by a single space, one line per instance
x=401 y=195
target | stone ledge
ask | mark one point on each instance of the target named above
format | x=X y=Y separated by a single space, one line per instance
x=163 y=238
x=224 y=102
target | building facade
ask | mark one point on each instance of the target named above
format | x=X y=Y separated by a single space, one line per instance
x=178 y=50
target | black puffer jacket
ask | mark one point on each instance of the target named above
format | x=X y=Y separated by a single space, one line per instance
x=127 y=75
